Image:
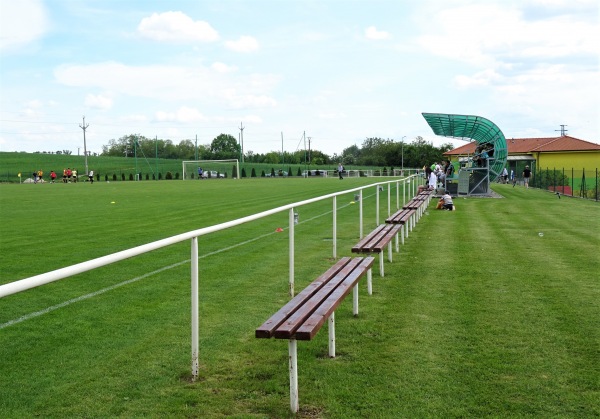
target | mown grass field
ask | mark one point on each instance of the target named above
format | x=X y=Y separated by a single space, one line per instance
x=124 y=168
x=479 y=315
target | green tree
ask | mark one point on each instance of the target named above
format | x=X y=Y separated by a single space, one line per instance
x=225 y=146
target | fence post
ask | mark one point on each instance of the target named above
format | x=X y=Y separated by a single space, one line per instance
x=291 y=254
x=335 y=227
x=377 y=204
x=360 y=213
x=195 y=311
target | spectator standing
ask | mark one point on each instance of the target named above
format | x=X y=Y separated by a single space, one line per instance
x=526 y=176
x=340 y=170
x=91 y=176
x=505 y=175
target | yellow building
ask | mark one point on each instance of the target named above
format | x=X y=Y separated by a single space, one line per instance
x=577 y=159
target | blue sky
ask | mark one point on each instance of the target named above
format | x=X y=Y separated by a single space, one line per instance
x=336 y=71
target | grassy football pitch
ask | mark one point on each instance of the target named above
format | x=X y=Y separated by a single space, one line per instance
x=492 y=310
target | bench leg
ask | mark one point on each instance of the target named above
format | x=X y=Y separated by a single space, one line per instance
x=293 y=353
x=396 y=241
x=370 y=281
x=402 y=233
x=331 y=323
x=390 y=251
x=355 y=300
x=381 y=263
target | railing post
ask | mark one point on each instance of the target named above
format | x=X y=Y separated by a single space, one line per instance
x=195 y=311
x=377 y=204
x=291 y=254
x=335 y=227
x=389 y=199
x=397 y=194
x=360 y=213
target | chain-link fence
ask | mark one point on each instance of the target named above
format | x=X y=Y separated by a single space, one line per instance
x=582 y=183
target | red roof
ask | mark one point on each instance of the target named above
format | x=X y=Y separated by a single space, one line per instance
x=528 y=145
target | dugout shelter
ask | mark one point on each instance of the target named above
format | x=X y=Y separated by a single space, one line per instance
x=474 y=176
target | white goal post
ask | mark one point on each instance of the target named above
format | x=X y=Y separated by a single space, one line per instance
x=210 y=169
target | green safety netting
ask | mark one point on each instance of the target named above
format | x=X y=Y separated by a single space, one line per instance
x=475 y=128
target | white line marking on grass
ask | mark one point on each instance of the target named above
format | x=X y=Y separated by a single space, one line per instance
x=131 y=281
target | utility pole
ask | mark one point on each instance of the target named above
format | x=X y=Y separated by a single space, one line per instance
x=562 y=130
x=242 y=140
x=84 y=127
x=309 y=150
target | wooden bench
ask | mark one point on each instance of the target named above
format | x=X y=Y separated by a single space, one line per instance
x=406 y=219
x=376 y=241
x=419 y=203
x=302 y=317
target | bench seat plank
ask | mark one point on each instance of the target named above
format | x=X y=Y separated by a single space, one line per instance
x=289 y=318
x=376 y=240
x=312 y=325
x=287 y=329
x=401 y=216
x=413 y=204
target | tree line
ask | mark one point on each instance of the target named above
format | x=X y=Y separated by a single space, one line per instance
x=373 y=152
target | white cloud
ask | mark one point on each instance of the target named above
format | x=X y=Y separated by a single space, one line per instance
x=243 y=44
x=372 y=33
x=223 y=68
x=496 y=35
x=483 y=78
x=239 y=101
x=176 y=27
x=183 y=114
x=332 y=115
x=171 y=83
x=98 y=102
x=21 y=22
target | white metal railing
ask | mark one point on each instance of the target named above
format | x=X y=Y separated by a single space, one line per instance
x=45 y=278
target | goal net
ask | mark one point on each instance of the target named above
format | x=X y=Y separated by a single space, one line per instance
x=210 y=169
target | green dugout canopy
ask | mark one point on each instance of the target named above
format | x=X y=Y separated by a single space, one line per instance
x=473 y=128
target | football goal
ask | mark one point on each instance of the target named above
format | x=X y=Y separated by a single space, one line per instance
x=210 y=169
